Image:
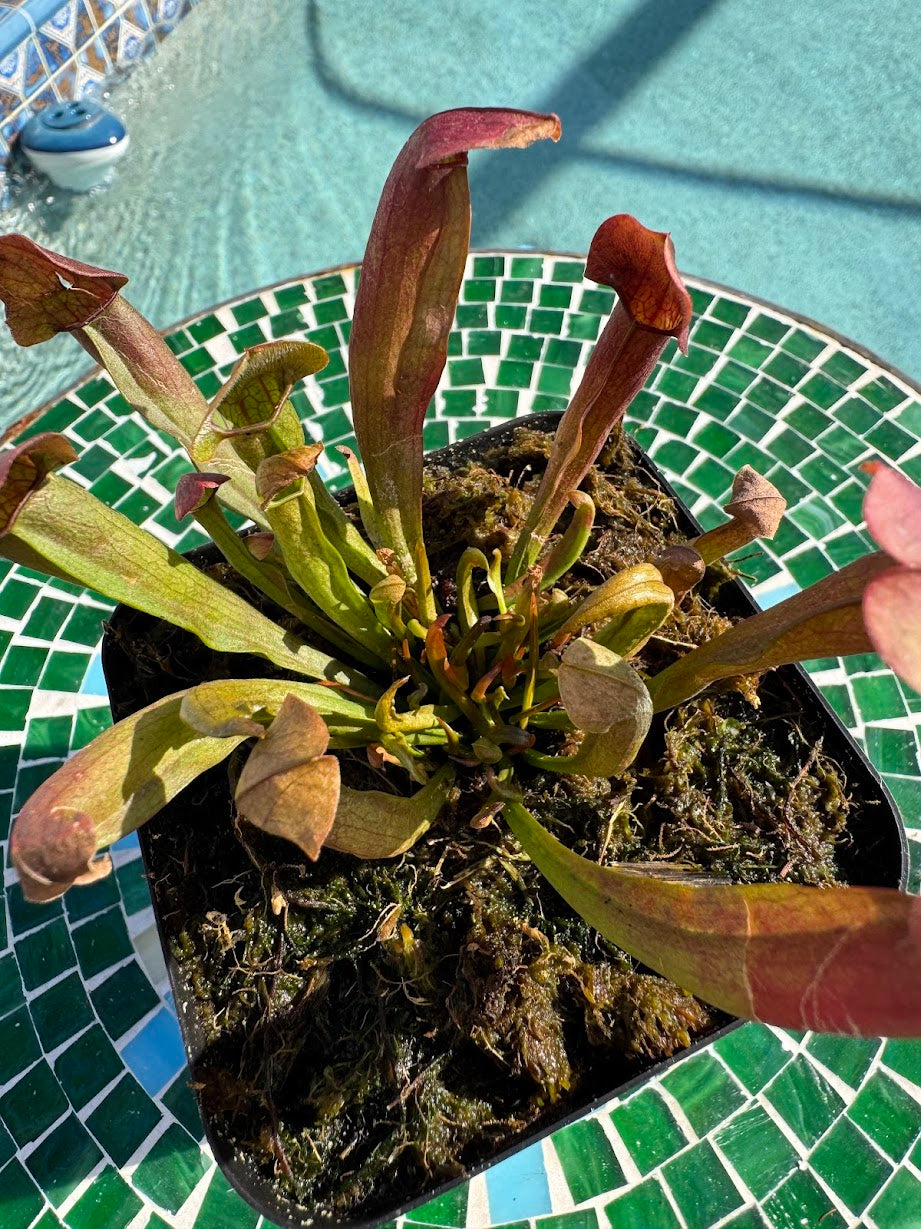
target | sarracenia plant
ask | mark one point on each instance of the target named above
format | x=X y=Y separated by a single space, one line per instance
x=429 y=694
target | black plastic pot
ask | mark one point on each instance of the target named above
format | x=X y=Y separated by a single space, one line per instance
x=876 y=855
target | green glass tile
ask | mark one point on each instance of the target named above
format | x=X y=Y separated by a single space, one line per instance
x=124 y=1119
x=596 y=302
x=675 y=418
x=64 y=671
x=717 y=402
x=63 y=1160
x=583 y=327
x=206 y=327
x=803 y=345
x=479 y=290
x=898 y=1204
x=644 y=436
x=22 y=1200
x=851 y=1166
x=697 y=360
x=455 y=345
x=515 y=291
x=251 y=335
x=527 y=266
x=705 y=1091
x=583 y=1218
x=809 y=566
x=758 y=1150
x=22 y=665
x=767 y=328
x=252 y=309
x=87 y=1066
x=132 y=883
x=751 y=422
x=7 y=1147
x=514 y=374
x=44 y=954
x=888 y=1115
x=110 y=488
x=568 y=271
x=858 y=415
x=846 y=548
x=464 y=430
x=11 y=994
x=488 y=266
x=19 y=1046
x=822 y=391
x=840 y=700
x=171 y=1169
x=472 y=316
x=700 y=300
x=543 y=320
x=562 y=353
x=729 y=311
x=909 y=418
x=484 y=342
x=735 y=377
x=701 y=1187
x=712 y=478
x=801 y=1203
x=197 y=362
x=92 y=426
x=878 y=697
x=521 y=346
x=14 y=704
x=333 y=425
x=46 y=617
x=32 y=1104
x=849 y=501
x=102 y=942
x=843 y=368
x=715 y=439
x=889 y=439
x=93 y=391
x=676 y=384
x=179 y=341
x=336 y=392
x=329 y=287
x=291 y=296
x=709 y=333
x=817 y=518
x=467 y=371
x=786 y=369
x=57 y=418
x=123 y=999
x=587 y=1160
x=675 y=456
x=285 y=323
x=904 y=1058
x=643 y=1207
x=912 y=468
x=88 y=723
x=751 y=1218
x=461 y=403
x=435 y=435
x=447 y=1209
x=790 y=447
x=61 y=1012
x=223 y=1208
x=554 y=380
x=883 y=394
x=511 y=317
x=110 y=1201
x=768 y=395
x=647 y=1127
x=501 y=402
x=180 y=1100
x=892 y=750
x=555 y=296
x=805 y=1101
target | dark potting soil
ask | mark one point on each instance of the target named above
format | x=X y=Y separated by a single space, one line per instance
x=371 y=1029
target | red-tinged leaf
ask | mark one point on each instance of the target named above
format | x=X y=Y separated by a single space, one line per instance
x=288 y=787
x=892 y=613
x=193 y=491
x=892 y=509
x=653 y=306
x=372 y=824
x=410 y=279
x=825 y=620
x=838 y=960
x=24 y=468
x=105 y=791
x=45 y=293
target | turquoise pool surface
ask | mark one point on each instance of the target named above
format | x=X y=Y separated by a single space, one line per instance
x=779 y=143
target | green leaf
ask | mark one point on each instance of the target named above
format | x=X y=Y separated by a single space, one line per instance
x=246 y=706
x=372 y=824
x=824 y=620
x=410 y=278
x=653 y=305
x=288 y=787
x=838 y=960
x=105 y=791
x=64 y=530
x=630 y=606
x=605 y=697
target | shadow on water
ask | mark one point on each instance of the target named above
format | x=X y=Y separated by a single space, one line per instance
x=631 y=52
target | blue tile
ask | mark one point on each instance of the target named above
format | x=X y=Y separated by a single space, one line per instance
x=94 y=683
x=156 y=1054
x=518 y=1187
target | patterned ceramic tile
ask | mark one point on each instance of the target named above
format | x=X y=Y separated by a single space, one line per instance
x=763 y=1128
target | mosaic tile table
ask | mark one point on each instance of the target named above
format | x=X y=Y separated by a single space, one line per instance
x=763 y=1128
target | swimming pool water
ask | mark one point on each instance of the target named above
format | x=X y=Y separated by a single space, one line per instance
x=779 y=143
